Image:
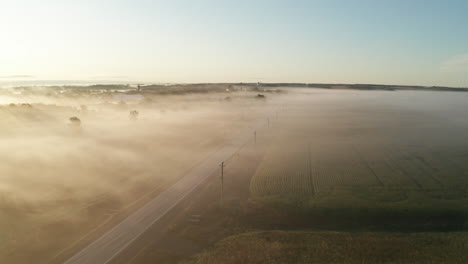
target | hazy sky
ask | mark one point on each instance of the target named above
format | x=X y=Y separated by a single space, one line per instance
x=363 y=41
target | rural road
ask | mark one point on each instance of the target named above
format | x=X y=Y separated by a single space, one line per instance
x=110 y=244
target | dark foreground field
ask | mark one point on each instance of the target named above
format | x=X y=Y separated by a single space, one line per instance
x=338 y=247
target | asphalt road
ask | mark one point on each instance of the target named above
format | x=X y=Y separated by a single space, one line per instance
x=110 y=244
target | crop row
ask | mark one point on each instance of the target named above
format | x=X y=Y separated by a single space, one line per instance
x=304 y=174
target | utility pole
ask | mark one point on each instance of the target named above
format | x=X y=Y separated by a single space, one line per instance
x=255 y=137
x=222 y=184
x=311 y=179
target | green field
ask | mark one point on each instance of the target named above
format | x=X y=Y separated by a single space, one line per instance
x=368 y=157
x=383 y=178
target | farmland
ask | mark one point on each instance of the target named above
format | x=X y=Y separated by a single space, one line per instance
x=341 y=160
x=367 y=151
x=337 y=177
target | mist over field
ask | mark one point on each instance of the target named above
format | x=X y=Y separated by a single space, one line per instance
x=402 y=150
x=258 y=131
x=58 y=172
x=75 y=158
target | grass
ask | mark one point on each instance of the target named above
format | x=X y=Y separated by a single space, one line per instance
x=337 y=247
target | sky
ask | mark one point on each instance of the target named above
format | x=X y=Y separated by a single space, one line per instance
x=417 y=42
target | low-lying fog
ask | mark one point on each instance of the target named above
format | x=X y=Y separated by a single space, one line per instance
x=55 y=170
x=61 y=177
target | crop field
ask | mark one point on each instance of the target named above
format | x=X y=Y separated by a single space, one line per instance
x=308 y=173
x=360 y=150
